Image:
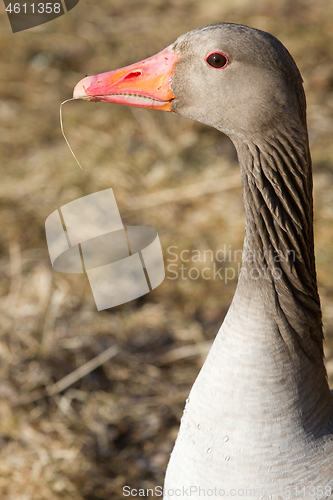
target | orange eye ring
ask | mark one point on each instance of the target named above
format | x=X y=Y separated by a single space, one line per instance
x=217 y=60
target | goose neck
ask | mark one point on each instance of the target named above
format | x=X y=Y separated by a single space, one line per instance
x=278 y=253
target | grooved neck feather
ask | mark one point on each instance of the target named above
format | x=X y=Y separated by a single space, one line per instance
x=278 y=247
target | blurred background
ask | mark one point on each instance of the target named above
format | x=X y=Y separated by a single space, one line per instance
x=113 y=423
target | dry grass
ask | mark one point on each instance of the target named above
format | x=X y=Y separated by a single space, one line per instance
x=114 y=422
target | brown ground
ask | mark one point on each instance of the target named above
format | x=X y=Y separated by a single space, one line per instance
x=115 y=425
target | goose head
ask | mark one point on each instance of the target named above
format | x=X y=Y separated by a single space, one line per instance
x=237 y=79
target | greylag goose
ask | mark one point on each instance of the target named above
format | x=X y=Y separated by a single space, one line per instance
x=258 y=422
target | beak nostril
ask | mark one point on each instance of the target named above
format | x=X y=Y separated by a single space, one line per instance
x=133 y=74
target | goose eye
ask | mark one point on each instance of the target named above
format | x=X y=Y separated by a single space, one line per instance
x=217 y=60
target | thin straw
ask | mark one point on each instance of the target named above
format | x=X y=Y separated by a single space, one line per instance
x=63 y=133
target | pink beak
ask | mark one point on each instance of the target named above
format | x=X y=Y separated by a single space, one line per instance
x=145 y=84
